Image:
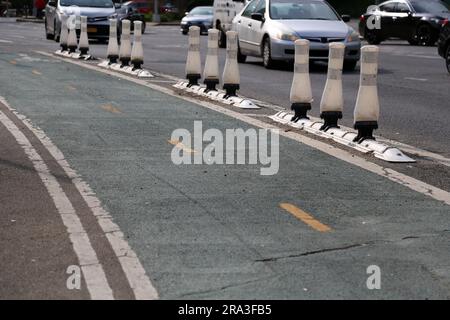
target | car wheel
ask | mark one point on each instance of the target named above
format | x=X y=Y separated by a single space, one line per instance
x=222 y=39
x=350 y=65
x=447 y=58
x=268 y=62
x=241 y=57
x=424 y=35
x=143 y=27
x=413 y=42
x=48 y=36
x=184 y=32
x=56 y=32
x=372 y=37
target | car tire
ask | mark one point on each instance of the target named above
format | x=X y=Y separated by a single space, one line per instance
x=48 y=36
x=413 y=42
x=268 y=62
x=184 y=32
x=56 y=33
x=424 y=35
x=241 y=58
x=372 y=37
x=350 y=65
x=222 y=39
x=143 y=27
x=447 y=58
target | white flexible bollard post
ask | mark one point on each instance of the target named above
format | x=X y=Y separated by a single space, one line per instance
x=301 y=93
x=367 y=109
x=84 y=41
x=72 y=43
x=125 y=44
x=193 y=61
x=211 y=71
x=113 y=46
x=231 y=77
x=332 y=103
x=137 y=53
x=64 y=33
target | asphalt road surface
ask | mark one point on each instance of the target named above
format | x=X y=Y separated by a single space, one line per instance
x=96 y=188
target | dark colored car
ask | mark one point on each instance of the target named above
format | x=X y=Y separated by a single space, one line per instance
x=168 y=8
x=199 y=16
x=444 y=44
x=141 y=6
x=416 y=21
x=130 y=12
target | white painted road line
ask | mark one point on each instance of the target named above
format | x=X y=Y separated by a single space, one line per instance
x=416 y=79
x=95 y=278
x=141 y=285
x=5 y=41
x=400 y=178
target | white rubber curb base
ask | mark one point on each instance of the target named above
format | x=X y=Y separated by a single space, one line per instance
x=75 y=55
x=217 y=96
x=379 y=150
x=140 y=73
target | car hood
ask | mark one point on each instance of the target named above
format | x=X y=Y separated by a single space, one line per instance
x=315 y=28
x=198 y=18
x=88 y=12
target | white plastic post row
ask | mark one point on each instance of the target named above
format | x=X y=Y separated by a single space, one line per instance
x=366 y=111
x=230 y=76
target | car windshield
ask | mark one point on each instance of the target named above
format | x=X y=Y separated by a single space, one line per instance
x=430 y=6
x=300 y=10
x=87 y=3
x=201 y=11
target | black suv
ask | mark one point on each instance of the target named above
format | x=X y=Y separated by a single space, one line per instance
x=416 y=21
x=444 y=44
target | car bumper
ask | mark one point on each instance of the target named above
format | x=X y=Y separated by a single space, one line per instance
x=203 y=26
x=285 y=50
x=98 y=30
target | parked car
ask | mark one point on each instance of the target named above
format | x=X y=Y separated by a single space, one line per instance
x=97 y=11
x=268 y=29
x=141 y=6
x=444 y=44
x=130 y=12
x=416 y=21
x=224 y=13
x=199 y=16
x=168 y=8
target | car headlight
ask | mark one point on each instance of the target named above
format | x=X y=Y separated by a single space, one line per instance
x=286 y=36
x=354 y=36
x=113 y=16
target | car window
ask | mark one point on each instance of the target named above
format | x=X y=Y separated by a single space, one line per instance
x=250 y=8
x=430 y=7
x=261 y=7
x=87 y=3
x=402 y=7
x=201 y=11
x=304 y=10
x=389 y=7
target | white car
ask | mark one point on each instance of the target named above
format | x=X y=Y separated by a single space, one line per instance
x=224 y=12
x=269 y=28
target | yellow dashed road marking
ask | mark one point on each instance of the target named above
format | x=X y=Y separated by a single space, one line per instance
x=181 y=146
x=305 y=217
x=110 y=108
x=14 y=62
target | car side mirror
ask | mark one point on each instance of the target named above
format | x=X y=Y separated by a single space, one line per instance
x=345 y=18
x=52 y=3
x=258 y=17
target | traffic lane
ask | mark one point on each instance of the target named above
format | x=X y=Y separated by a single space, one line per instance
x=412 y=83
x=35 y=250
x=206 y=231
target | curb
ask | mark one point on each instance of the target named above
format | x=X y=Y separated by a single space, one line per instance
x=30 y=20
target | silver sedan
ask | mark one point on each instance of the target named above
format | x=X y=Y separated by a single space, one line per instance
x=268 y=29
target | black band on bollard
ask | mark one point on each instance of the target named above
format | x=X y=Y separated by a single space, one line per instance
x=72 y=49
x=365 y=130
x=112 y=59
x=137 y=64
x=301 y=110
x=84 y=51
x=193 y=79
x=64 y=47
x=124 y=62
x=330 y=119
x=211 y=84
x=230 y=89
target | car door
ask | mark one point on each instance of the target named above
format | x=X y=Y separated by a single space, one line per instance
x=256 y=28
x=403 y=22
x=387 y=14
x=244 y=24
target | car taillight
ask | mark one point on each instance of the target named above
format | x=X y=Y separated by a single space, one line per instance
x=444 y=22
x=362 y=18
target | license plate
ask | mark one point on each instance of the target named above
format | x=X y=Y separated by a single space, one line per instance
x=91 y=30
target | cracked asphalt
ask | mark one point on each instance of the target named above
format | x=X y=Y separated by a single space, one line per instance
x=199 y=231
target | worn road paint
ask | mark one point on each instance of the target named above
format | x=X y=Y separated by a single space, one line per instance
x=110 y=108
x=305 y=217
x=181 y=146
